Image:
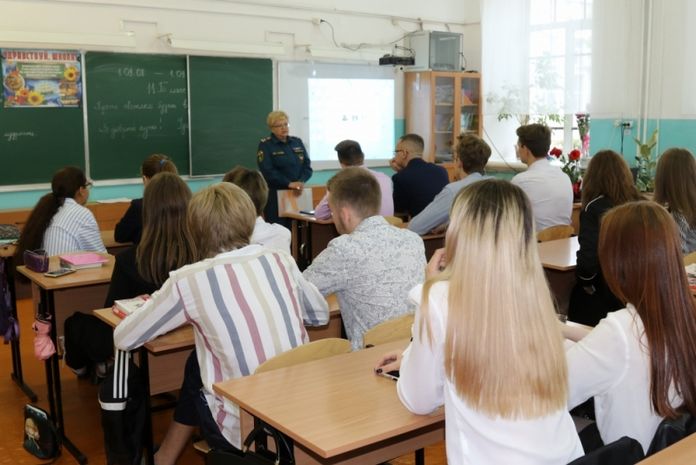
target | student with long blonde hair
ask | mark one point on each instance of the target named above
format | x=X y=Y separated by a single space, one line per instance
x=485 y=339
x=639 y=363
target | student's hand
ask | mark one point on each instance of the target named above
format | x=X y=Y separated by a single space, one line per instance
x=296 y=185
x=389 y=362
x=395 y=165
x=436 y=264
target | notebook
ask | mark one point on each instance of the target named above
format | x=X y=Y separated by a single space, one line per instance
x=81 y=261
x=124 y=307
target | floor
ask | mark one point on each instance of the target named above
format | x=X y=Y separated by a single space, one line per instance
x=81 y=410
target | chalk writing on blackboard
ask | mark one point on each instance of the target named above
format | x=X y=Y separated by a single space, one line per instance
x=14 y=136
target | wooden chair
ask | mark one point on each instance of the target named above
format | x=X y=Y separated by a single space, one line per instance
x=316 y=350
x=395 y=221
x=555 y=232
x=689 y=259
x=388 y=331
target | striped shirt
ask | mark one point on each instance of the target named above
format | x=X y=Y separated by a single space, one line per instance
x=72 y=229
x=245 y=306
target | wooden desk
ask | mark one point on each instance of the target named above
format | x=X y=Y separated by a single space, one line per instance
x=60 y=298
x=682 y=452
x=309 y=237
x=559 y=254
x=336 y=410
x=110 y=243
x=558 y=259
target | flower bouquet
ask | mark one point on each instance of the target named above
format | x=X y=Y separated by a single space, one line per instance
x=571 y=167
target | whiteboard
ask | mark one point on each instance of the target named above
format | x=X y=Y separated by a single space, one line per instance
x=294 y=95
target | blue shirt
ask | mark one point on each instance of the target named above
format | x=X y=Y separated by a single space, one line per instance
x=437 y=212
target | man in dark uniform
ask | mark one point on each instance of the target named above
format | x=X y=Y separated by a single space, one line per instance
x=284 y=163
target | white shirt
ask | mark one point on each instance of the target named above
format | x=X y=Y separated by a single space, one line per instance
x=72 y=229
x=271 y=235
x=549 y=190
x=612 y=364
x=473 y=437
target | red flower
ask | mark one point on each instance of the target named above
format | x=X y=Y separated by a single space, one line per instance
x=574 y=155
x=556 y=152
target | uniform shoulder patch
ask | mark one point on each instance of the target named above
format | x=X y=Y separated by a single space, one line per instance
x=265 y=139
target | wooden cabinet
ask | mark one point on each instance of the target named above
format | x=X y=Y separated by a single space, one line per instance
x=439 y=106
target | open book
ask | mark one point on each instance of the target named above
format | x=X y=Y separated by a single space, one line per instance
x=124 y=307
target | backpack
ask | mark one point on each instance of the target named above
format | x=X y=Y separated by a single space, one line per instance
x=122 y=402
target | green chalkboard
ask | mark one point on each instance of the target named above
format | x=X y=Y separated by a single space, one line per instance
x=136 y=106
x=36 y=142
x=230 y=99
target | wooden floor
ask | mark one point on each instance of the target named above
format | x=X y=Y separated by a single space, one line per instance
x=81 y=410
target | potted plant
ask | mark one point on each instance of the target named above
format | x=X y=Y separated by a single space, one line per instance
x=645 y=179
x=571 y=167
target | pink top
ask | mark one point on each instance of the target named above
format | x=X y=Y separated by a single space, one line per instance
x=323 y=212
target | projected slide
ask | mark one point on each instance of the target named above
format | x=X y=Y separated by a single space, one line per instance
x=358 y=109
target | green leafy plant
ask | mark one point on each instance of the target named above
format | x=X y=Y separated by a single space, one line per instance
x=646 y=163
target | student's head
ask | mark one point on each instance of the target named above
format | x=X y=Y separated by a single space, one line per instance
x=608 y=174
x=675 y=184
x=408 y=147
x=221 y=218
x=472 y=152
x=533 y=140
x=166 y=243
x=156 y=163
x=506 y=350
x=349 y=153
x=640 y=256
x=251 y=182
x=69 y=182
x=278 y=124
x=354 y=195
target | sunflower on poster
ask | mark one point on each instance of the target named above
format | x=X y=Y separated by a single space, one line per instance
x=71 y=73
x=35 y=98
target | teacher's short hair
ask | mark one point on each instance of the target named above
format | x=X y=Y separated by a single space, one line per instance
x=356 y=188
x=275 y=116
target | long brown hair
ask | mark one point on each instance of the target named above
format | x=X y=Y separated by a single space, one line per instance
x=608 y=175
x=65 y=184
x=503 y=351
x=675 y=183
x=640 y=256
x=166 y=243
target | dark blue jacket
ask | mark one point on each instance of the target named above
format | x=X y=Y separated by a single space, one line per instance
x=416 y=186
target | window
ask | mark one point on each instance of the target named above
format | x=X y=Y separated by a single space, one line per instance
x=560 y=64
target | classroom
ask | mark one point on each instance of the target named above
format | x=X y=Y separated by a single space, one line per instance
x=196 y=81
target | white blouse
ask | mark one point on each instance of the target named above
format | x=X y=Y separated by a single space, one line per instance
x=473 y=437
x=612 y=365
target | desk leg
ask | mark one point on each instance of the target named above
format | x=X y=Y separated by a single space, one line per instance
x=16 y=374
x=149 y=441
x=53 y=385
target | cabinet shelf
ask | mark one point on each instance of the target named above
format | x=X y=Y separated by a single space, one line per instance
x=440 y=105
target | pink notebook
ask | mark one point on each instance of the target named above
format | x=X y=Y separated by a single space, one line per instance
x=82 y=260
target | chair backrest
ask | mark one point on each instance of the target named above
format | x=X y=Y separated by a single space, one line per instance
x=689 y=259
x=671 y=431
x=555 y=232
x=388 y=331
x=624 y=451
x=395 y=221
x=316 y=350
